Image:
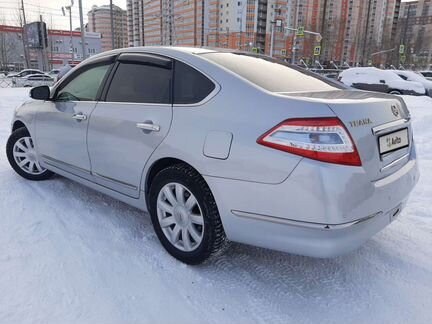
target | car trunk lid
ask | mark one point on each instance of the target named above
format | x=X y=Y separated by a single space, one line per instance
x=378 y=123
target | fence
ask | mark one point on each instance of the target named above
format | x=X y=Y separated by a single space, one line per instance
x=21 y=82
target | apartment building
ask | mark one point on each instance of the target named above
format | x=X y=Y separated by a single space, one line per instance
x=99 y=20
x=168 y=22
x=351 y=30
x=415 y=32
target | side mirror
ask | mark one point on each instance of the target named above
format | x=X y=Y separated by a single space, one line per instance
x=40 y=93
x=382 y=81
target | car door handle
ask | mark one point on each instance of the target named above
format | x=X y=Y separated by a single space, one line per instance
x=148 y=126
x=79 y=116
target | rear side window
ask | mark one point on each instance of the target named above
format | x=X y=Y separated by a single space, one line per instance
x=140 y=83
x=272 y=74
x=190 y=86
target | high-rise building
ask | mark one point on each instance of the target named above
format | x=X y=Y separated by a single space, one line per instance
x=415 y=32
x=168 y=22
x=343 y=30
x=99 y=20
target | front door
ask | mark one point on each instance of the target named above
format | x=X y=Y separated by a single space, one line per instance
x=131 y=122
x=61 y=123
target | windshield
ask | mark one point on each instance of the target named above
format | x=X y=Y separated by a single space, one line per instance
x=271 y=74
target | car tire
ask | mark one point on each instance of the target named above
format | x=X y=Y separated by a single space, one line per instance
x=201 y=219
x=395 y=92
x=16 y=152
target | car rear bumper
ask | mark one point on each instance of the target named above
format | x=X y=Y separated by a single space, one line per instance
x=321 y=210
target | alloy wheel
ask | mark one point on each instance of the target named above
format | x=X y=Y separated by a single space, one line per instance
x=25 y=156
x=180 y=217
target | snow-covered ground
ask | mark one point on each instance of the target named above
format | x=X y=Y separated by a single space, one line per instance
x=71 y=255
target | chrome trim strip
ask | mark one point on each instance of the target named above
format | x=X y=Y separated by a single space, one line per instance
x=51 y=160
x=134 y=103
x=284 y=221
x=392 y=164
x=387 y=127
x=125 y=184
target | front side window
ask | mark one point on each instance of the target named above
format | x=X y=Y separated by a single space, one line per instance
x=140 y=83
x=190 y=86
x=85 y=86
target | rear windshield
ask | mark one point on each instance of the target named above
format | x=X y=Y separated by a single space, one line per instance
x=272 y=74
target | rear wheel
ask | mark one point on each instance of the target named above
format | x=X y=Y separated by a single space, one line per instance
x=395 y=92
x=184 y=214
x=22 y=157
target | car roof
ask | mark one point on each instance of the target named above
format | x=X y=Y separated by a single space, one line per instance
x=162 y=50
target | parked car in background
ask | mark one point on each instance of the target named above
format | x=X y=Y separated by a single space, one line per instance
x=302 y=165
x=64 y=70
x=53 y=73
x=24 y=73
x=427 y=74
x=33 y=80
x=373 y=79
x=416 y=77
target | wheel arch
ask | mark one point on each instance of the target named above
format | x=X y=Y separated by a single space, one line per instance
x=18 y=124
x=159 y=165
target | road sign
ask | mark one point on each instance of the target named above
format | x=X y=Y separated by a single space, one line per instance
x=300 y=31
x=401 y=49
x=283 y=52
x=317 y=50
x=278 y=22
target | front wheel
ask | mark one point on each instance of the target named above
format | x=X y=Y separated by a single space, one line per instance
x=22 y=157
x=184 y=214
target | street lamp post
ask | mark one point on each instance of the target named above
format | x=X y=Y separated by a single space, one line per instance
x=295 y=34
x=318 y=38
x=69 y=8
x=83 y=47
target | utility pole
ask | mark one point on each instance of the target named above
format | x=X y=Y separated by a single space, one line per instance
x=406 y=24
x=112 y=24
x=295 y=34
x=83 y=48
x=323 y=24
x=272 y=26
x=44 y=43
x=69 y=8
x=142 y=22
x=366 y=32
x=71 y=34
x=24 y=36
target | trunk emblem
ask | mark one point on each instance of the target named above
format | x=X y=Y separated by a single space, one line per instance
x=360 y=122
x=395 y=111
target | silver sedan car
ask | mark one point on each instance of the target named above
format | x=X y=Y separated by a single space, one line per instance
x=222 y=145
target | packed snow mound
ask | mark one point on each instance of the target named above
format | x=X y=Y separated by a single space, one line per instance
x=69 y=254
x=371 y=75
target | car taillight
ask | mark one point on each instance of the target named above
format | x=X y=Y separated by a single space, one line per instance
x=323 y=139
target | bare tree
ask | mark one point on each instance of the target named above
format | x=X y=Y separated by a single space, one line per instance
x=9 y=47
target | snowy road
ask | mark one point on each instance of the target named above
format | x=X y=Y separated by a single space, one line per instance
x=71 y=255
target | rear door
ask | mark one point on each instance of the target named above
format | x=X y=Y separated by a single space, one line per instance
x=132 y=120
